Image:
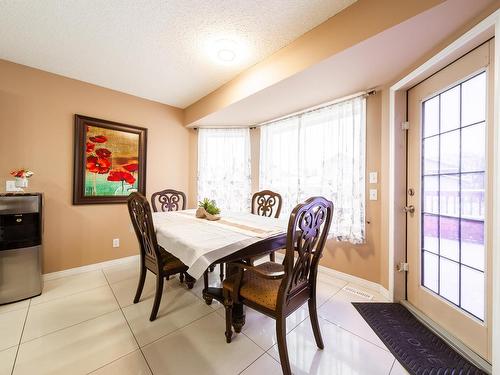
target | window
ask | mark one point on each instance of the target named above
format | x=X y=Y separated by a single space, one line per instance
x=321 y=152
x=224 y=167
x=453 y=194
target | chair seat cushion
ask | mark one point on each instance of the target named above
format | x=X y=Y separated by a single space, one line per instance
x=171 y=264
x=255 y=288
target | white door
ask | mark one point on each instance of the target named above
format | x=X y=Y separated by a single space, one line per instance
x=448 y=233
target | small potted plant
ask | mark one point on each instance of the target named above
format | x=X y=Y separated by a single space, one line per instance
x=22 y=176
x=208 y=209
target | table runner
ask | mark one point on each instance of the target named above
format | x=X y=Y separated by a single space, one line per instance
x=199 y=242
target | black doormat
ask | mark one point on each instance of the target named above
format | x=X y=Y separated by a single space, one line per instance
x=415 y=346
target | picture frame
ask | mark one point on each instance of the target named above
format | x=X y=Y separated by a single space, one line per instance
x=109 y=161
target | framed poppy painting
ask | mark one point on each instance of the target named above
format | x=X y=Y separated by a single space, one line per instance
x=110 y=161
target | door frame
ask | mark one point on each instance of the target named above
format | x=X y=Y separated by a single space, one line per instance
x=484 y=30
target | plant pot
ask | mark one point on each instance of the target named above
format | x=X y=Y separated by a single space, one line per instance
x=200 y=213
x=212 y=217
x=21 y=182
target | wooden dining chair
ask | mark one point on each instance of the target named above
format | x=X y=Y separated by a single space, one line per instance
x=264 y=203
x=267 y=203
x=153 y=257
x=277 y=290
x=168 y=200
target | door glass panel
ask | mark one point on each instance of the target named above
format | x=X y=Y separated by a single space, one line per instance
x=431 y=155
x=449 y=234
x=474 y=100
x=472 y=291
x=450 y=109
x=449 y=280
x=449 y=195
x=431 y=115
x=472 y=196
x=431 y=271
x=450 y=152
x=453 y=195
x=430 y=233
x=473 y=148
x=472 y=240
x=431 y=194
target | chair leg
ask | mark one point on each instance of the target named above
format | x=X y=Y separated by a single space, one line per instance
x=181 y=277
x=190 y=281
x=159 y=292
x=313 y=315
x=140 y=286
x=272 y=257
x=211 y=268
x=228 y=305
x=283 y=351
x=206 y=297
x=221 y=274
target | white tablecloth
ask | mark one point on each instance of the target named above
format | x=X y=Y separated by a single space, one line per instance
x=199 y=242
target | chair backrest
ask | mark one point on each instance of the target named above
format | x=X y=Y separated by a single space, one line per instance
x=168 y=200
x=266 y=203
x=308 y=229
x=142 y=220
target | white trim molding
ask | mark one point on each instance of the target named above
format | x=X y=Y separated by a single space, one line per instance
x=480 y=33
x=373 y=286
x=89 y=267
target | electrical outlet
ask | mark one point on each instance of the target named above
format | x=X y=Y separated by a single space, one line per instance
x=116 y=242
x=373 y=177
x=373 y=194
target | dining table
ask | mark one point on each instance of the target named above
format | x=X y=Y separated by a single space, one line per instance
x=201 y=244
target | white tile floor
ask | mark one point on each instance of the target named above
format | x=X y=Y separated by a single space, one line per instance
x=87 y=323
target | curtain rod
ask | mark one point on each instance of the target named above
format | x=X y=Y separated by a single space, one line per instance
x=301 y=112
x=319 y=106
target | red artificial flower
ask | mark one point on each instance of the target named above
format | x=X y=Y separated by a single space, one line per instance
x=131 y=167
x=90 y=147
x=103 y=152
x=121 y=176
x=98 y=165
x=98 y=139
x=18 y=173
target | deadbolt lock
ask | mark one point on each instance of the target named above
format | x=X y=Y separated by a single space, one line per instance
x=411 y=192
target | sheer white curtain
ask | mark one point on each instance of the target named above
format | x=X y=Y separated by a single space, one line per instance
x=321 y=152
x=224 y=167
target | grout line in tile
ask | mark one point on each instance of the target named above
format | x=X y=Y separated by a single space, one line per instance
x=178 y=329
x=68 y=295
x=113 y=361
x=70 y=326
x=393 y=363
x=128 y=324
x=355 y=334
x=256 y=359
x=20 y=338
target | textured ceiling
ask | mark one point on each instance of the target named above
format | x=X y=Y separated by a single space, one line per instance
x=152 y=48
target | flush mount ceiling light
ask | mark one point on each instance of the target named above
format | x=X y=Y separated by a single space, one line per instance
x=226 y=51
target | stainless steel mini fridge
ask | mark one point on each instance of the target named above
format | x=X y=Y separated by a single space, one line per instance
x=21 y=224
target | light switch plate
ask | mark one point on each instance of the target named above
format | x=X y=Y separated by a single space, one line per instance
x=373 y=194
x=10 y=186
x=373 y=177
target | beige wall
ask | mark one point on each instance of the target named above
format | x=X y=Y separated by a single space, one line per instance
x=36 y=131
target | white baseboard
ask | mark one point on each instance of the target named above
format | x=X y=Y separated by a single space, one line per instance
x=89 y=267
x=373 y=286
x=322 y=269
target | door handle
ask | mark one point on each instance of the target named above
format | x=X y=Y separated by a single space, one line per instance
x=409 y=209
